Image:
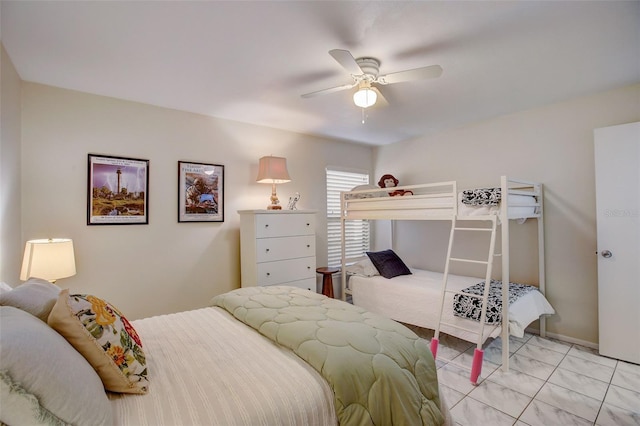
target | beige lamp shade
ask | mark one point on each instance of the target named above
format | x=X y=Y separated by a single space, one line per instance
x=273 y=170
x=49 y=259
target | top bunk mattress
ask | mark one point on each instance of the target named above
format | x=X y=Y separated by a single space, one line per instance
x=439 y=201
x=520 y=207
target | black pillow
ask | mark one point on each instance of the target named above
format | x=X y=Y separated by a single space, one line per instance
x=388 y=263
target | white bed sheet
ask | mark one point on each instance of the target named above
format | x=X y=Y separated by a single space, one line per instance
x=205 y=367
x=415 y=299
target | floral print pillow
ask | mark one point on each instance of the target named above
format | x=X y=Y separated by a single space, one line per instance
x=100 y=332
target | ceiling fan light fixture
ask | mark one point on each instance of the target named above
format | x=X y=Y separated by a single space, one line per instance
x=365 y=97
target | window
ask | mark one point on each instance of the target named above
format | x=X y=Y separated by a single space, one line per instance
x=357 y=232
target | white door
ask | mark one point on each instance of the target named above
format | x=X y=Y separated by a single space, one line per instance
x=617 y=160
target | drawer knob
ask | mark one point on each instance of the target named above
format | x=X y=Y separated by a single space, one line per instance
x=308 y=267
x=267 y=250
x=308 y=245
x=266 y=226
x=268 y=273
x=308 y=224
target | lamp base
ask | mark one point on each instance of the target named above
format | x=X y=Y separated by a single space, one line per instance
x=275 y=203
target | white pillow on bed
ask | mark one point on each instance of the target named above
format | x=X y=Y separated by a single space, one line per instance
x=4 y=287
x=35 y=296
x=363 y=268
x=366 y=194
x=43 y=379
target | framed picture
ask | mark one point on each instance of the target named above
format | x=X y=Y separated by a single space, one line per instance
x=117 y=191
x=200 y=192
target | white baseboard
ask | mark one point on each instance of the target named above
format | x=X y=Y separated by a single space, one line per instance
x=566 y=339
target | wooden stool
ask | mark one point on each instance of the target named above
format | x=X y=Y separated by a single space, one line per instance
x=327 y=280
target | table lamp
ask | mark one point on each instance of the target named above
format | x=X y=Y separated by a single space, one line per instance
x=273 y=170
x=48 y=259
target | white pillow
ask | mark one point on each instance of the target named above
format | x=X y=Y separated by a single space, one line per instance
x=363 y=268
x=35 y=296
x=4 y=287
x=43 y=379
x=366 y=194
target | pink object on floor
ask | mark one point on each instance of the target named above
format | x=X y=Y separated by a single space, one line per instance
x=434 y=347
x=476 y=365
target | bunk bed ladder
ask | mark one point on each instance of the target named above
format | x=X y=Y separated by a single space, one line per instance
x=476 y=366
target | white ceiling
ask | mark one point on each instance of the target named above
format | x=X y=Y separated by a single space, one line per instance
x=250 y=61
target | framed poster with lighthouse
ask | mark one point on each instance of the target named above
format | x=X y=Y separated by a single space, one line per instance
x=117 y=191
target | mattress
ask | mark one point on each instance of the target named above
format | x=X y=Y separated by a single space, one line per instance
x=205 y=367
x=520 y=207
x=433 y=206
x=415 y=299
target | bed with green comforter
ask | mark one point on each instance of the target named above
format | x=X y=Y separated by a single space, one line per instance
x=381 y=373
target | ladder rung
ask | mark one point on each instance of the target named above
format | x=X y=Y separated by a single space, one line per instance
x=458 y=327
x=469 y=260
x=474 y=229
x=524 y=205
x=523 y=192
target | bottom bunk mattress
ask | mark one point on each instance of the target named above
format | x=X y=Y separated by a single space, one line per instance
x=415 y=299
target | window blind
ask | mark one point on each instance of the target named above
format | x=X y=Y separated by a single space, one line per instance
x=357 y=232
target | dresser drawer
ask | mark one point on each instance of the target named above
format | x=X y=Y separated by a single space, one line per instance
x=271 y=249
x=283 y=271
x=306 y=284
x=284 y=225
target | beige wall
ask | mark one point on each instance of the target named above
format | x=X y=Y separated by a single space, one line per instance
x=10 y=220
x=164 y=266
x=552 y=145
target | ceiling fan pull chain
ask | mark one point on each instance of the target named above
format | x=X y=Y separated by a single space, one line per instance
x=363 y=116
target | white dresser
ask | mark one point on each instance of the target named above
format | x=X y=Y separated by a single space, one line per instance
x=278 y=247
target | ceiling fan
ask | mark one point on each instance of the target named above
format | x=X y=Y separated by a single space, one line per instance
x=365 y=73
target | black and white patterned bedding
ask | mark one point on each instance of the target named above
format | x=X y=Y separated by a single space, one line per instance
x=482 y=197
x=471 y=307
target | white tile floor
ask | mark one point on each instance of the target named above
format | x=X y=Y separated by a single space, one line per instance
x=549 y=383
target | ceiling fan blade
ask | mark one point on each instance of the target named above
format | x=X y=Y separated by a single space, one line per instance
x=432 y=71
x=381 y=101
x=346 y=59
x=330 y=90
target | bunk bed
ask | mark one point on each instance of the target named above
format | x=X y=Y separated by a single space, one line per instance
x=426 y=298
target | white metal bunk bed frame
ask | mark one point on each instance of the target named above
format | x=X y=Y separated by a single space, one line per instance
x=438 y=201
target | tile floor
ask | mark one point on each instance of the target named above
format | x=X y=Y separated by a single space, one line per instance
x=549 y=383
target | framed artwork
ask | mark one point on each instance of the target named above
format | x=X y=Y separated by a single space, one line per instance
x=117 y=191
x=200 y=192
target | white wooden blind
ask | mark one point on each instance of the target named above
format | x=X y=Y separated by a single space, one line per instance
x=357 y=232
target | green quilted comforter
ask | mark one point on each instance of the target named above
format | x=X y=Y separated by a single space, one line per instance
x=381 y=373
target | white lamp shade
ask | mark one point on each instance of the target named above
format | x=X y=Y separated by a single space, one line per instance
x=49 y=259
x=365 y=97
x=273 y=170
